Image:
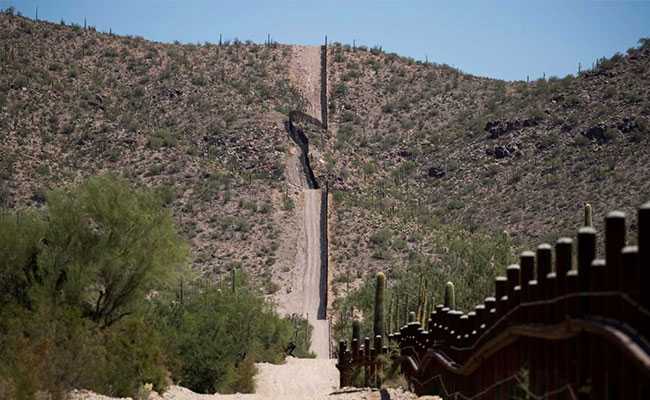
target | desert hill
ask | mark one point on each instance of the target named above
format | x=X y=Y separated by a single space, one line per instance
x=423 y=162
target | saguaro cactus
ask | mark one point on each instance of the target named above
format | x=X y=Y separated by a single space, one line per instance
x=450 y=296
x=233 y=280
x=379 y=304
x=588 y=217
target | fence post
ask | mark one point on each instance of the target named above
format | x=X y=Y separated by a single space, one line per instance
x=500 y=284
x=377 y=364
x=527 y=265
x=644 y=253
x=513 y=274
x=586 y=254
x=344 y=364
x=366 y=362
x=614 y=243
x=490 y=311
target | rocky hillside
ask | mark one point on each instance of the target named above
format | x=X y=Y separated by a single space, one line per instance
x=203 y=123
x=418 y=148
x=426 y=165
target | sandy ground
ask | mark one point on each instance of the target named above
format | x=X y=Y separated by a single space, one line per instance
x=297 y=379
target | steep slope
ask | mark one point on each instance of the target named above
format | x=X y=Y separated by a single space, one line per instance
x=427 y=165
x=417 y=145
x=308 y=295
x=204 y=123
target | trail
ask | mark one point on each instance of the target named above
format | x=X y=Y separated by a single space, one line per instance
x=304 y=73
x=309 y=294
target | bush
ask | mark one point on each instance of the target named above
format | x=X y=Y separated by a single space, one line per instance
x=162 y=137
x=74 y=281
x=86 y=302
x=217 y=335
x=470 y=260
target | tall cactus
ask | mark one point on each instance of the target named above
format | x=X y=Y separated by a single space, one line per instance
x=450 y=296
x=588 y=216
x=379 y=304
x=233 y=279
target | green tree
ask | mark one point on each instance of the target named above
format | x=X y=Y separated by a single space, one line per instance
x=108 y=246
x=70 y=274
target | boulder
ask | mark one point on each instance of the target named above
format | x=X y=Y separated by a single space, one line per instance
x=501 y=152
x=597 y=133
x=499 y=128
x=436 y=172
x=627 y=125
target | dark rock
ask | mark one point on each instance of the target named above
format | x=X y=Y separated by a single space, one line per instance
x=38 y=197
x=171 y=93
x=565 y=128
x=598 y=133
x=406 y=154
x=507 y=151
x=499 y=128
x=501 y=152
x=627 y=125
x=436 y=172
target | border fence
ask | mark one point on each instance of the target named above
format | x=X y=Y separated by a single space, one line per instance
x=562 y=324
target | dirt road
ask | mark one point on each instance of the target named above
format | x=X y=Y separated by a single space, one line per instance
x=314 y=289
x=296 y=379
x=309 y=287
x=304 y=72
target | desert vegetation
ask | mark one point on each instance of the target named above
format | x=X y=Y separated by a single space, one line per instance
x=91 y=299
x=435 y=175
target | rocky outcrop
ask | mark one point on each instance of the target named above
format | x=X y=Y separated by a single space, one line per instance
x=436 y=172
x=503 y=151
x=499 y=128
x=598 y=133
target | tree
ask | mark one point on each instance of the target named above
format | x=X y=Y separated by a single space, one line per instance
x=21 y=235
x=107 y=246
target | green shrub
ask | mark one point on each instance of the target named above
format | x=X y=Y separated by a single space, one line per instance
x=469 y=260
x=217 y=335
x=162 y=137
x=74 y=281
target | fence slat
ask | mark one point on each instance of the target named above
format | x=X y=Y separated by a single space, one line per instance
x=580 y=332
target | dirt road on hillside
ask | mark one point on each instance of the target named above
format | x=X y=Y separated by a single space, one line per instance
x=308 y=295
x=314 y=289
x=304 y=72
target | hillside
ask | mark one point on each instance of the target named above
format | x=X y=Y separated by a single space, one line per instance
x=203 y=123
x=419 y=148
x=426 y=165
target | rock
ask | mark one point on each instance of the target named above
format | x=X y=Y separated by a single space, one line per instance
x=436 y=172
x=627 y=125
x=501 y=152
x=499 y=128
x=429 y=398
x=598 y=133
